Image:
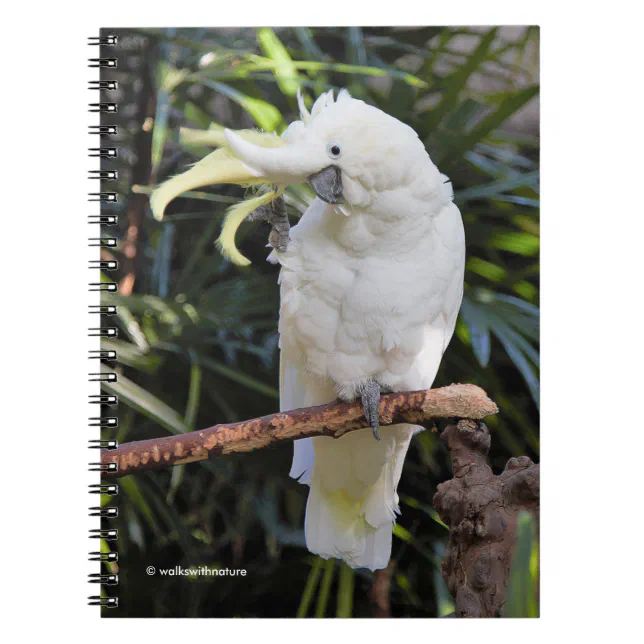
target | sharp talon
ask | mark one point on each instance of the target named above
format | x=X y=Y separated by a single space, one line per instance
x=371 y=405
x=275 y=215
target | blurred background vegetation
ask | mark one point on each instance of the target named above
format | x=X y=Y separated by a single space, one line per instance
x=197 y=339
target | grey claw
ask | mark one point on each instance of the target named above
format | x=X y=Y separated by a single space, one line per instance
x=371 y=405
x=274 y=214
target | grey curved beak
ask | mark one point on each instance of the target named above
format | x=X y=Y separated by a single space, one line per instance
x=327 y=184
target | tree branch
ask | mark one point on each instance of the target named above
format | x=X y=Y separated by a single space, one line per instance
x=333 y=419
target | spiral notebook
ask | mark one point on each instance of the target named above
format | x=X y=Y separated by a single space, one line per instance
x=186 y=319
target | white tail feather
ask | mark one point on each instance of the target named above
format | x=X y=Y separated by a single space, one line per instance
x=353 y=502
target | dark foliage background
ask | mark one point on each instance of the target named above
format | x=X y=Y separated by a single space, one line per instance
x=197 y=340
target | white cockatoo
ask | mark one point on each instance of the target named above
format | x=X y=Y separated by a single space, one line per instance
x=371 y=285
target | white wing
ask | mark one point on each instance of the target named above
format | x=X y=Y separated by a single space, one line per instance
x=295 y=393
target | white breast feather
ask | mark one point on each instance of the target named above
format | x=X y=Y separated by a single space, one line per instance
x=347 y=316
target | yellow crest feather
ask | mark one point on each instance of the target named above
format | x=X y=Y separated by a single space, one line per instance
x=234 y=217
x=220 y=166
x=213 y=138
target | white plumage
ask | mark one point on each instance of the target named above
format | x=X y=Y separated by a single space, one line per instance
x=369 y=290
x=371 y=284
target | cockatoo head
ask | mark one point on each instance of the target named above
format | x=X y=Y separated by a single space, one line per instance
x=354 y=156
x=347 y=150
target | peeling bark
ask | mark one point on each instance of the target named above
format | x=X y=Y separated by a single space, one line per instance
x=334 y=419
x=481 y=511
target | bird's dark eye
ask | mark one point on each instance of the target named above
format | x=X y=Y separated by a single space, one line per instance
x=334 y=150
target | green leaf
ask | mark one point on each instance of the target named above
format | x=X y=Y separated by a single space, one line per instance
x=325 y=588
x=343 y=68
x=508 y=106
x=288 y=80
x=238 y=376
x=345 y=592
x=267 y=116
x=309 y=588
x=494 y=189
x=521 y=597
x=144 y=402
x=489 y=310
x=521 y=363
x=131 y=489
x=194 y=391
x=197 y=115
x=479 y=331
x=402 y=533
x=169 y=79
x=444 y=601
x=305 y=36
x=131 y=355
x=190 y=194
x=523 y=306
x=197 y=256
x=486 y=269
x=520 y=243
x=428 y=510
x=456 y=83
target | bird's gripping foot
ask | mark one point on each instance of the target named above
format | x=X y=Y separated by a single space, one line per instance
x=371 y=404
x=275 y=214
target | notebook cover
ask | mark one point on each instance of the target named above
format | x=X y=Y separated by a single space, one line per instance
x=189 y=340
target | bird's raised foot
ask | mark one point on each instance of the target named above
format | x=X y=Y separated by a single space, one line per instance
x=274 y=213
x=371 y=404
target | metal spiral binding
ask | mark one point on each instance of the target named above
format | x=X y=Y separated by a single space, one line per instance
x=100 y=309
x=101 y=444
x=103 y=354
x=106 y=242
x=104 y=513
x=103 y=399
x=104 y=467
x=110 y=39
x=108 y=535
x=110 y=489
x=103 y=62
x=107 y=580
x=102 y=377
x=104 y=175
x=103 y=332
x=104 y=264
x=102 y=220
x=104 y=421
x=109 y=197
x=104 y=153
x=104 y=106
x=105 y=287
x=109 y=602
x=106 y=85
x=103 y=129
x=111 y=557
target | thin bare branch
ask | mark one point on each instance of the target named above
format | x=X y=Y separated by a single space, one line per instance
x=333 y=419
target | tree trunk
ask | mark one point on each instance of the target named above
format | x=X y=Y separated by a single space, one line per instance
x=481 y=510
